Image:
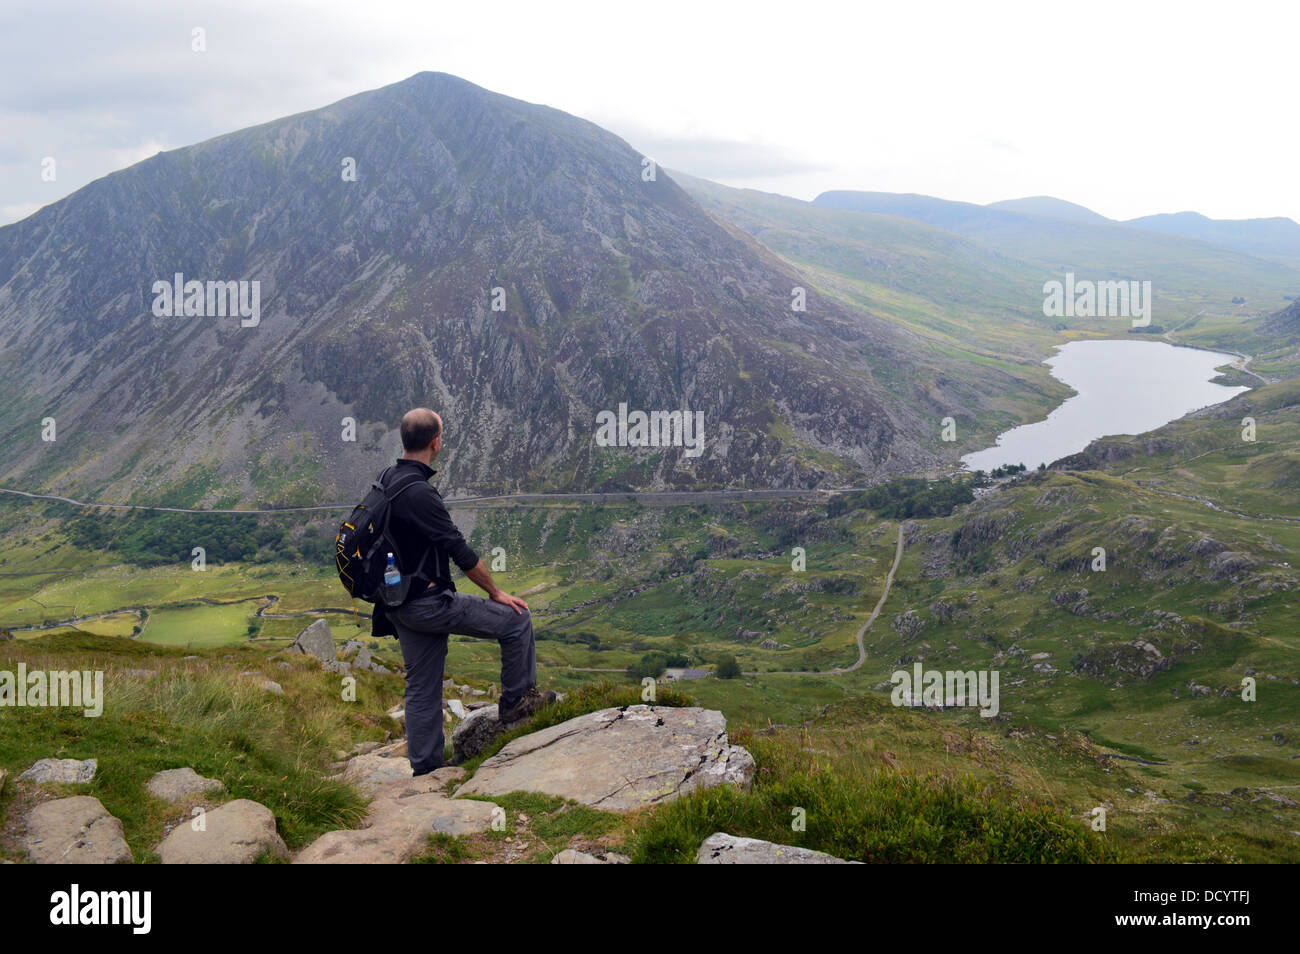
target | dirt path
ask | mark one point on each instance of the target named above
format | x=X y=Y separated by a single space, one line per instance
x=862 y=631
x=880 y=604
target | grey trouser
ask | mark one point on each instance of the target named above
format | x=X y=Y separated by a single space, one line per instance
x=423 y=626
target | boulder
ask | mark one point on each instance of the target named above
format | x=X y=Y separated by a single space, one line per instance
x=399 y=822
x=619 y=759
x=176 y=785
x=458 y=708
x=234 y=834
x=723 y=849
x=68 y=771
x=273 y=687
x=316 y=640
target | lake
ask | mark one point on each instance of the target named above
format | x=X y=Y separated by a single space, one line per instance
x=1124 y=387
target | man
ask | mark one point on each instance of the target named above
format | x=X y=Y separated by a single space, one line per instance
x=426 y=538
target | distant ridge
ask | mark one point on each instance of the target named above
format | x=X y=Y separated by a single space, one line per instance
x=1277 y=236
x=1049 y=208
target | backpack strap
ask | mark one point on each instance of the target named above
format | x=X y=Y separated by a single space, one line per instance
x=390 y=495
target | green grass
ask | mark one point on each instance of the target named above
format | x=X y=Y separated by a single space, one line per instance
x=194 y=626
x=202 y=713
x=887 y=817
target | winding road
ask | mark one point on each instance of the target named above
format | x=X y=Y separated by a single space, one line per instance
x=862 y=631
x=880 y=604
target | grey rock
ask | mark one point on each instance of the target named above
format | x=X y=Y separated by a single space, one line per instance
x=476 y=733
x=569 y=856
x=458 y=708
x=316 y=640
x=68 y=771
x=619 y=759
x=273 y=687
x=399 y=821
x=234 y=834
x=723 y=849
x=75 y=831
x=176 y=785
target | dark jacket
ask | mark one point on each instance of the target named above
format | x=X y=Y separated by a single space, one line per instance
x=425 y=537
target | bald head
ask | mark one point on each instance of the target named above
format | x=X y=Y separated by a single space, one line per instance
x=419 y=428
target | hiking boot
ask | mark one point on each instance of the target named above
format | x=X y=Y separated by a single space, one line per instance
x=532 y=701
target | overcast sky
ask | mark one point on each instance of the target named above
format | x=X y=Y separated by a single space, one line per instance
x=1128 y=108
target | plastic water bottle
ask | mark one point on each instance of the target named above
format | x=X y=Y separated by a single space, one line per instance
x=392 y=576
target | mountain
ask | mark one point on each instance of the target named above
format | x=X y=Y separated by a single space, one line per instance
x=979 y=312
x=1190 y=276
x=964 y=218
x=1275 y=237
x=377 y=294
x=1044 y=206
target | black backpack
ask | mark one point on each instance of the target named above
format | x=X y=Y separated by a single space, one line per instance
x=364 y=542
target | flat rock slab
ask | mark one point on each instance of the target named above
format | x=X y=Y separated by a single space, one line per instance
x=399 y=822
x=571 y=856
x=75 y=831
x=68 y=771
x=176 y=785
x=619 y=759
x=723 y=849
x=235 y=834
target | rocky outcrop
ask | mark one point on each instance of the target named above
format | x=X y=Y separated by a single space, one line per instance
x=358 y=656
x=400 y=820
x=619 y=759
x=177 y=785
x=66 y=771
x=371 y=771
x=74 y=831
x=724 y=849
x=237 y=833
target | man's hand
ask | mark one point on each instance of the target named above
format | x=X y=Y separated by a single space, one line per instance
x=483 y=579
x=514 y=602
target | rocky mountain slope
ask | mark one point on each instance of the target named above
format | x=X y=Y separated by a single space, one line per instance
x=378 y=292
